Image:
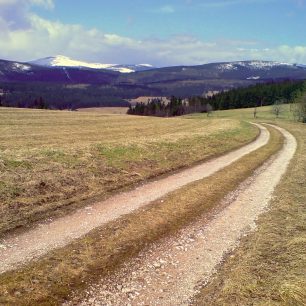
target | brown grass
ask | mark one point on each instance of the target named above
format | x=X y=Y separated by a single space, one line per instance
x=269 y=267
x=50 y=280
x=106 y=110
x=51 y=161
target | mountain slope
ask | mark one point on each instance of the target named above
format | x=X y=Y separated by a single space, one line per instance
x=182 y=81
x=246 y=70
x=64 y=61
x=27 y=72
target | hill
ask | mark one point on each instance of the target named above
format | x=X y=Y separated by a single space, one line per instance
x=64 y=61
x=27 y=81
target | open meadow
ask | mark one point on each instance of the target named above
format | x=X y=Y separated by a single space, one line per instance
x=51 y=161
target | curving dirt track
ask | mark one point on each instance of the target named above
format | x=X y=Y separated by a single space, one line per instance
x=16 y=250
x=172 y=270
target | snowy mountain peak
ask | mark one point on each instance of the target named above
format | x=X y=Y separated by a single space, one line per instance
x=64 y=61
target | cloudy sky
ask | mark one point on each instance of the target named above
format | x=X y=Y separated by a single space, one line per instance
x=158 y=32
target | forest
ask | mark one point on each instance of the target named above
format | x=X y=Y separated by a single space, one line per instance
x=59 y=96
x=74 y=96
x=252 y=96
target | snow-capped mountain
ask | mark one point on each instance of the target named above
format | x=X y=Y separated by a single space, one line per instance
x=253 y=65
x=150 y=80
x=64 y=61
x=257 y=70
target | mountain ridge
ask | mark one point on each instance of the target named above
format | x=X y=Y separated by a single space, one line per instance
x=64 y=61
x=181 y=81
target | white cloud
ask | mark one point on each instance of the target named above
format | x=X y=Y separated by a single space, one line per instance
x=48 y=4
x=33 y=37
x=167 y=9
x=226 y=3
x=15 y=13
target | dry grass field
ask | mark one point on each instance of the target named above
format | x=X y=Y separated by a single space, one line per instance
x=268 y=268
x=51 y=161
x=106 y=110
x=102 y=251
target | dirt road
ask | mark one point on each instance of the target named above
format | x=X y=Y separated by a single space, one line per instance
x=172 y=270
x=16 y=250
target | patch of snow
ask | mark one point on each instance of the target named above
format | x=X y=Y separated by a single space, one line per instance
x=121 y=69
x=254 y=65
x=263 y=64
x=253 y=78
x=64 y=61
x=20 y=67
x=227 y=66
x=144 y=65
x=67 y=74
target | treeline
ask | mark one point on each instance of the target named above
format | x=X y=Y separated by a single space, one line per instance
x=73 y=96
x=253 y=96
x=58 y=96
x=175 y=107
x=299 y=110
x=257 y=95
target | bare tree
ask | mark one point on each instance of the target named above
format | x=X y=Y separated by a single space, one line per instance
x=278 y=107
x=209 y=110
x=299 y=111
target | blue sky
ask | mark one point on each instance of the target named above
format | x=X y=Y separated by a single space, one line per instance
x=153 y=31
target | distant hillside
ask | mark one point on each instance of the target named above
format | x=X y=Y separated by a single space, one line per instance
x=247 y=70
x=252 y=96
x=62 y=83
x=24 y=72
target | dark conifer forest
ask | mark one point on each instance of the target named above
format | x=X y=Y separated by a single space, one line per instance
x=253 y=96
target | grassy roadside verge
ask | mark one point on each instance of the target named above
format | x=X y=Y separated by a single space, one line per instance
x=50 y=280
x=269 y=267
x=52 y=162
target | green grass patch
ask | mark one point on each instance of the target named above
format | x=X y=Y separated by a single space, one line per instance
x=59 y=156
x=116 y=156
x=13 y=164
